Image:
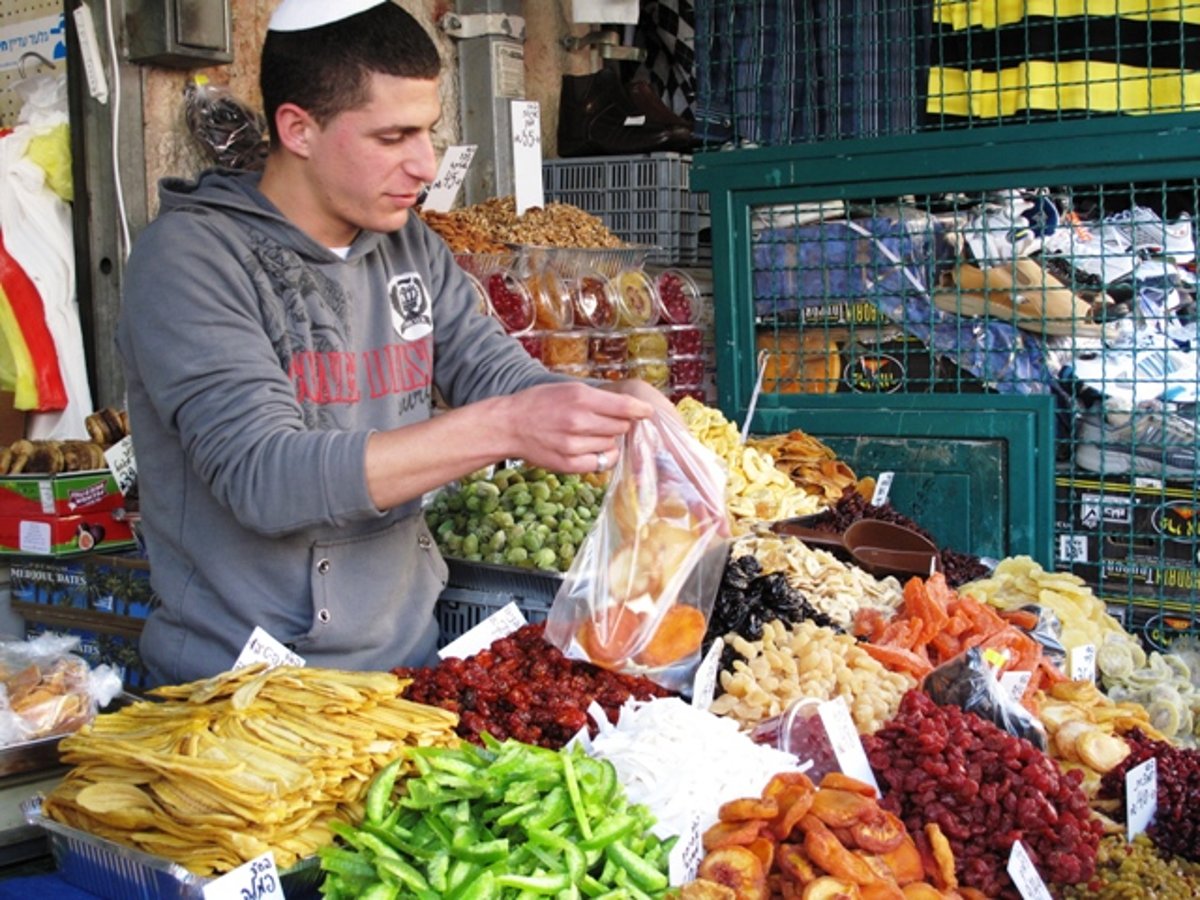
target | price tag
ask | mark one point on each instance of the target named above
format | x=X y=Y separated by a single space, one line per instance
x=883 y=487
x=501 y=623
x=687 y=854
x=46 y=496
x=261 y=647
x=124 y=467
x=255 y=880
x=1141 y=797
x=34 y=537
x=843 y=737
x=527 y=154
x=704 y=685
x=1013 y=684
x=1025 y=875
x=450 y=177
x=1083 y=662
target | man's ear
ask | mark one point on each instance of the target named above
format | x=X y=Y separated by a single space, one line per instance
x=294 y=126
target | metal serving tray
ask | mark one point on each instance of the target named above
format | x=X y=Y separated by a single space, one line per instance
x=112 y=870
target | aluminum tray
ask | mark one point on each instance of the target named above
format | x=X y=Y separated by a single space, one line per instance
x=108 y=869
x=495 y=579
x=41 y=754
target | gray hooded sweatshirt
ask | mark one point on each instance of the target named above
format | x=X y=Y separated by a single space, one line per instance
x=258 y=362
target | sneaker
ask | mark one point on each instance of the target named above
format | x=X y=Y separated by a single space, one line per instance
x=1148 y=440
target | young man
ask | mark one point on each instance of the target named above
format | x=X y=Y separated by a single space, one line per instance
x=281 y=336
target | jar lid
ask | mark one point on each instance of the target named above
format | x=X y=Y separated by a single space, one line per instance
x=638 y=299
x=511 y=302
x=679 y=296
x=595 y=301
x=551 y=300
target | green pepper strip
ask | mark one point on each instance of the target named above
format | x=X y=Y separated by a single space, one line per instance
x=486 y=852
x=573 y=791
x=643 y=874
x=380 y=891
x=398 y=871
x=380 y=791
x=539 y=884
x=347 y=863
x=576 y=867
x=612 y=829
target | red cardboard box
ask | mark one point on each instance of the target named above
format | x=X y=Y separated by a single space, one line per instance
x=42 y=535
x=65 y=494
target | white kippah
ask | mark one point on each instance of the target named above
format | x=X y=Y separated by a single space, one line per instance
x=299 y=15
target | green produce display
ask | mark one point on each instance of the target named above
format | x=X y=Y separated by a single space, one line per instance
x=505 y=820
x=527 y=517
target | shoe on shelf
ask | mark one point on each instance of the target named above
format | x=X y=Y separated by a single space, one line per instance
x=1020 y=292
x=597 y=118
x=1146 y=440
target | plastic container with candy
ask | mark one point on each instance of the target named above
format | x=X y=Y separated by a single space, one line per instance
x=532 y=342
x=685 y=340
x=594 y=300
x=608 y=347
x=638 y=305
x=511 y=302
x=553 y=308
x=648 y=343
x=564 y=348
x=686 y=370
x=678 y=296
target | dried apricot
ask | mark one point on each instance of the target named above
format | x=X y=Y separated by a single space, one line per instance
x=736 y=868
x=679 y=634
x=842 y=782
x=828 y=888
x=793 y=861
x=610 y=637
x=785 y=780
x=905 y=862
x=919 y=890
x=826 y=851
x=881 y=890
x=748 y=808
x=794 y=804
x=732 y=834
x=943 y=856
x=702 y=889
x=764 y=849
x=841 y=808
x=880 y=834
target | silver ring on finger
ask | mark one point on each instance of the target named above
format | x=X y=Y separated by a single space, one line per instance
x=601 y=462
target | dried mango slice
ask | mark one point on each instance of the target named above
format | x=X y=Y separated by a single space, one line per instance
x=841 y=808
x=943 y=856
x=736 y=868
x=826 y=851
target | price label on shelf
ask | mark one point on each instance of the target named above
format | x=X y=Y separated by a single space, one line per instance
x=1083 y=662
x=1141 y=797
x=501 y=623
x=846 y=743
x=1025 y=875
x=450 y=177
x=527 y=154
x=255 y=880
x=883 y=487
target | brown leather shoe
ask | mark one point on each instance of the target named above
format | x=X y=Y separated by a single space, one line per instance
x=597 y=118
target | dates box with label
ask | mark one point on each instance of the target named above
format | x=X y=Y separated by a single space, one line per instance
x=52 y=535
x=117 y=584
x=1129 y=536
x=64 y=494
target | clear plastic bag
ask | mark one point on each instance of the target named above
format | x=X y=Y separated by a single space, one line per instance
x=45 y=689
x=638 y=597
x=231 y=133
x=969 y=682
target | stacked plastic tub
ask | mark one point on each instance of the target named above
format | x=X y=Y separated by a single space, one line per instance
x=598 y=313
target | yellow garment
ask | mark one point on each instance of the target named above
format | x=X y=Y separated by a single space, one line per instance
x=16 y=365
x=51 y=151
x=992 y=14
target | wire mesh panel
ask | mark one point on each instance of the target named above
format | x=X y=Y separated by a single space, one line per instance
x=776 y=72
x=1086 y=293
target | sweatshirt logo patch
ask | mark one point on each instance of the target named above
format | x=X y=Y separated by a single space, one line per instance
x=411 y=315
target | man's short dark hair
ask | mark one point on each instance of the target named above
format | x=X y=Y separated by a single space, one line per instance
x=326 y=70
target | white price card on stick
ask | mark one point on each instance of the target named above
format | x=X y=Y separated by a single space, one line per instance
x=704 y=685
x=450 y=177
x=263 y=647
x=255 y=880
x=1083 y=662
x=527 y=154
x=685 y=857
x=1013 y=684
x=121 y=461
x=1141 y=797
x=844 y=738
x=883 y=487
x=501 y=623
x=1025 y=875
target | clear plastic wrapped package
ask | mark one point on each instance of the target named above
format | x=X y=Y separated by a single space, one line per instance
x=232 y=134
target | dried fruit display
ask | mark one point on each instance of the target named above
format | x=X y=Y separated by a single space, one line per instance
x=797 y=840
x=523 y=687
x=1125 y=870
x=985 y=790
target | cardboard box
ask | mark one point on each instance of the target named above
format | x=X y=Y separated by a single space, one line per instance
x=64 y=494
x=1130 y=537
x=116 y=584
x=104 y=637
x=49 y=535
